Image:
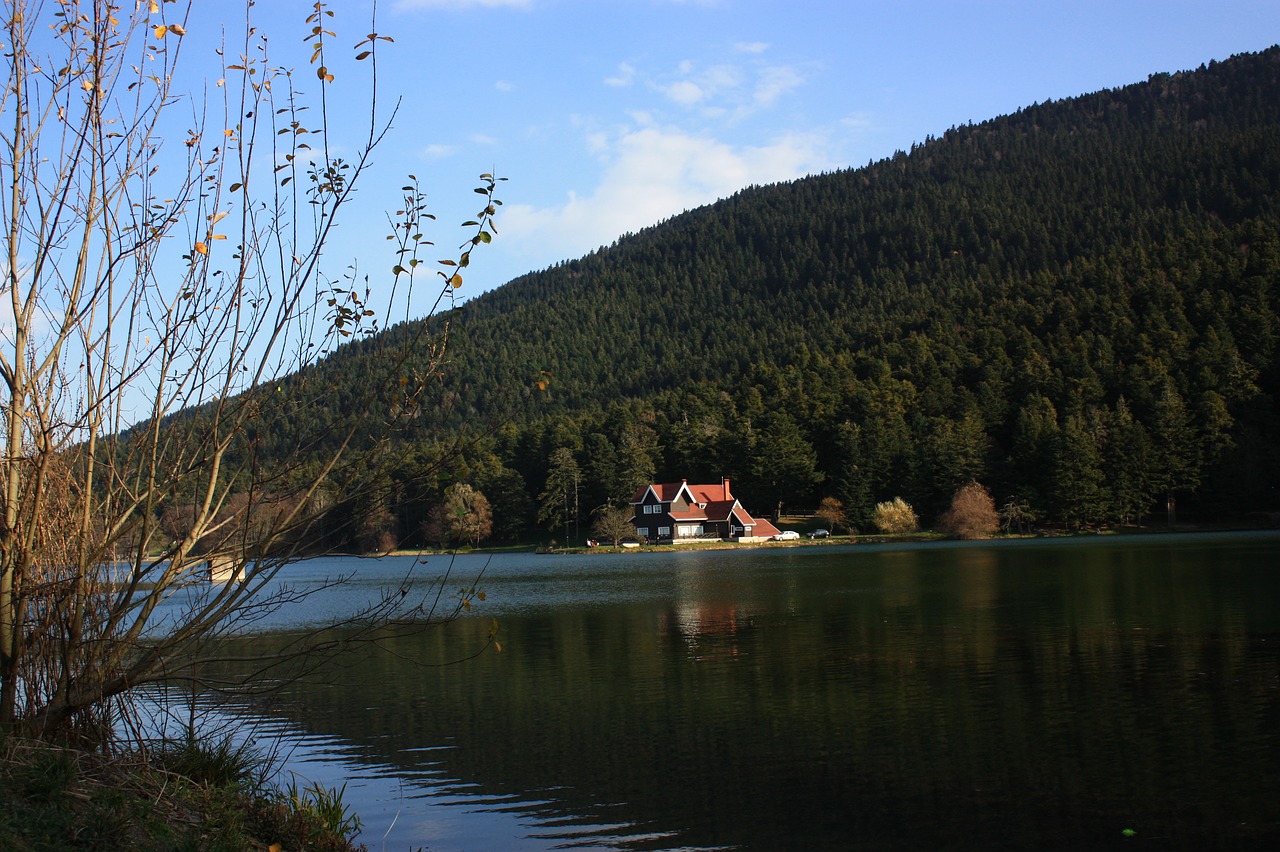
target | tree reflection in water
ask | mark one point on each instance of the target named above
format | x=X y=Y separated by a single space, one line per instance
x=1030 y=695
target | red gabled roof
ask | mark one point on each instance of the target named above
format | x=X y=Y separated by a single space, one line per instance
x=719 y=510
x=764 y=528
x=666 y=491
x=710 y=493
x=759 y=526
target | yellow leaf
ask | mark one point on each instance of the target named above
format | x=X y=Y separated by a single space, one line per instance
x=219 y=216
x=456 y=281
x=497 y=646
x=178 y=29
x=161 y=30
x=153 y=7
x=202 y=248
x=274 y=847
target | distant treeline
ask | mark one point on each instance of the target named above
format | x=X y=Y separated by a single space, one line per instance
x=1077 y=305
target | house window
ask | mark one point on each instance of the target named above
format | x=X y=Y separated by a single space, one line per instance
x=643 y=532
x=664 y=532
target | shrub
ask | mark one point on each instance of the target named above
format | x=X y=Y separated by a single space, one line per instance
x=220 y=763
x=54 y=797
x=972 y=514
x=831 y=510
x=896 y=517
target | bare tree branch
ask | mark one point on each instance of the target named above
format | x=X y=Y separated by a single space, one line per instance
x=167 y=289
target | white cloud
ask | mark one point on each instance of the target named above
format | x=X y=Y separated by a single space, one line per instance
x=597 y=142
x=462 y=4
x=684 y=92
x=774 y=82
x=858 y=121
x=722 y=78
x=440 y=151
x=729 y=91
x=751 y=47
x=700 y=86
x=626 y=74
x=504 y=86
x=651 y=174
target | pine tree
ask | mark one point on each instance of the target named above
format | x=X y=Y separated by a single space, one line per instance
x=559 y=499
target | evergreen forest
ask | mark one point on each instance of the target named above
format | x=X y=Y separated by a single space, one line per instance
x=1077 y=305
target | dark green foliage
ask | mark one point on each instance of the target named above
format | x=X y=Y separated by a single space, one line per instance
x=221 y=763
x=1076 y=304
x=48 y=777
x=194 y=796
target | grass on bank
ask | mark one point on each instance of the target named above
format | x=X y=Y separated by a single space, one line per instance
x=185 y=796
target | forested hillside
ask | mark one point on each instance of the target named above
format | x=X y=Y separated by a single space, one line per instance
x=1076 y=305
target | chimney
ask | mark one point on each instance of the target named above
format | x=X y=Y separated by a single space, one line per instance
x=724 y=483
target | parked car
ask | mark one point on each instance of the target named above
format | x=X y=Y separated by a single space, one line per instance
x=820 y=534
x=787 y=535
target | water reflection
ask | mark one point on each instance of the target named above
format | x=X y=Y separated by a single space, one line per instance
x=1042 y=696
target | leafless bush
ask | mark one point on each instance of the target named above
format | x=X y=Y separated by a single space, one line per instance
x=972 y=514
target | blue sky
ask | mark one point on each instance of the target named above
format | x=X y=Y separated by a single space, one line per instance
x=607 y=116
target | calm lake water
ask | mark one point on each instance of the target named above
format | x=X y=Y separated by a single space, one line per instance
x=1073 y=694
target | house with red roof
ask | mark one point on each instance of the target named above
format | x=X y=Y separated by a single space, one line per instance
x=679 y=511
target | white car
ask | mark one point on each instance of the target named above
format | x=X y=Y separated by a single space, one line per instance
x=787 y=535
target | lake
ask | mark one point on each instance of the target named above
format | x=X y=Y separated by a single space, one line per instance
x=1058 y=694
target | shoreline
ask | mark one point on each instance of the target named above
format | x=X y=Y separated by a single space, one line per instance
x=920 y=537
